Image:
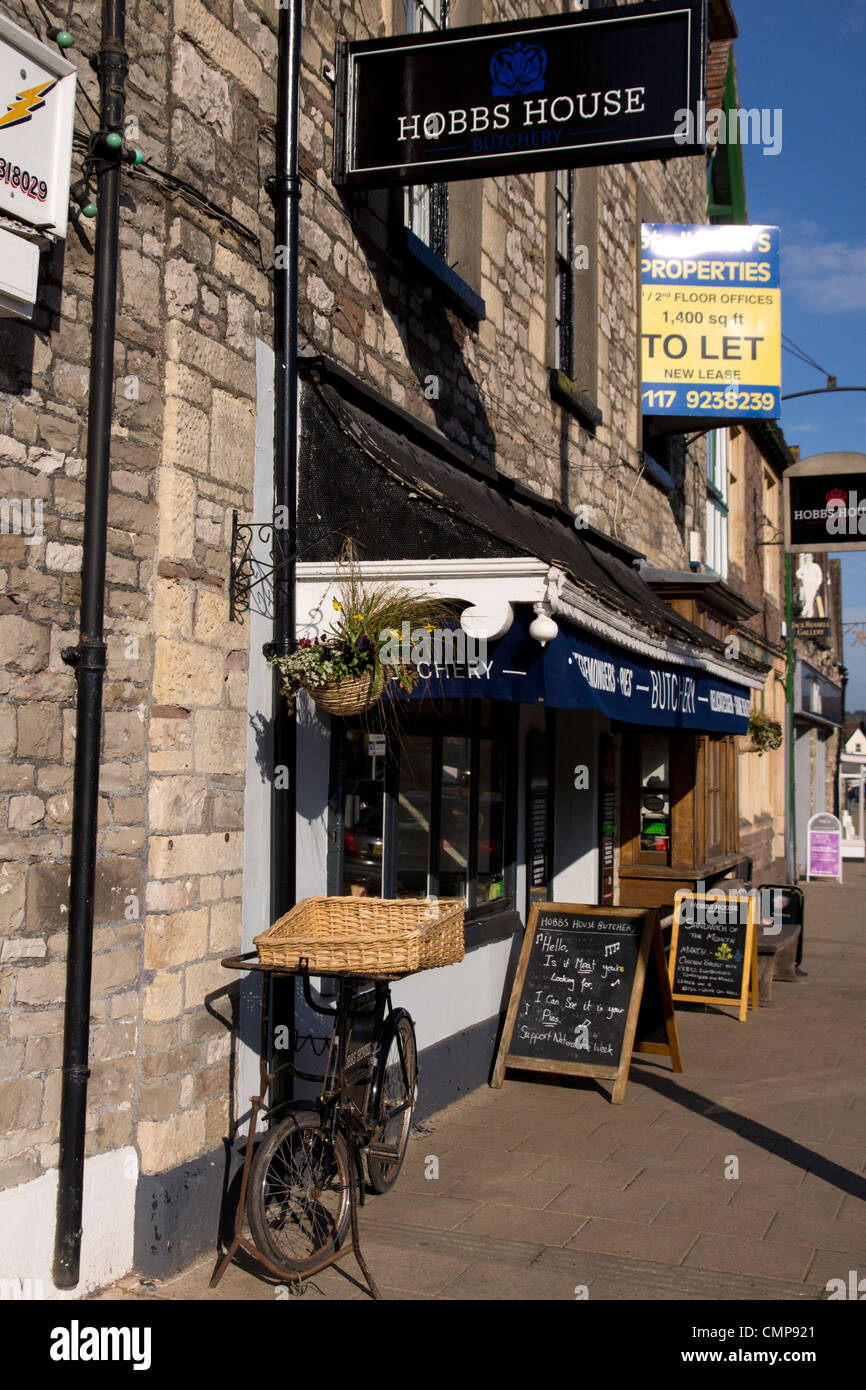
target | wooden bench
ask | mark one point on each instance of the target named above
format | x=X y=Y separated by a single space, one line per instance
x=777 y=958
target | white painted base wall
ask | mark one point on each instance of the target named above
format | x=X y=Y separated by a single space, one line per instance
x=446 y=1001
x=27 y=1218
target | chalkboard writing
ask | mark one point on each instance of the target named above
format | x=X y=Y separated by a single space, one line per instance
x=576 y=992
x=710 y=959
x=713 y=948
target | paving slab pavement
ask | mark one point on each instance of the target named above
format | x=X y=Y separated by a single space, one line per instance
x=742 y=1178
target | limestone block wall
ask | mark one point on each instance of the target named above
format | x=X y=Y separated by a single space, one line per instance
x=193 y=297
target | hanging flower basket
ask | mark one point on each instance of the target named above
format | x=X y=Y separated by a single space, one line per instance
x=346 y=668
x=352 y=695
x=765 y=732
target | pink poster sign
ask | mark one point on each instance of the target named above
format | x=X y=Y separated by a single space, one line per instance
x=824 y=847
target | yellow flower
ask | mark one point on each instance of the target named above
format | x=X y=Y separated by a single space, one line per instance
x=428 y=627
x=357 y=617
x=338 y=606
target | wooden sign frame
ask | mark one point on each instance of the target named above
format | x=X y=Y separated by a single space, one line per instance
x=750 y=957
x=672 y=1047
x=650 y=940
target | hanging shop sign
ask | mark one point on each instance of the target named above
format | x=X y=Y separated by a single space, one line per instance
x=815 y=694
x=711 y=332
x=825 y=503
x=824 y=847
x=811 y=599
x=598 y=87
x=573 y=672
x=37 y=106
x=577 y=993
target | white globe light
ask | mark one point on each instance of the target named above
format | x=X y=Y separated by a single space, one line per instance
x=543 y=629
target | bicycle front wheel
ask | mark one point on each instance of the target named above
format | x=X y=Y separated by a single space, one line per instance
x=398 y=1092
x=298 y=1200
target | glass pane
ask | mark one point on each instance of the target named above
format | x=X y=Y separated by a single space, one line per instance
x=490 y=778
x=413 y=816
x=713 y=790
x=454 y=823
x=655 y=801
x=363 y=806
x=654 y=760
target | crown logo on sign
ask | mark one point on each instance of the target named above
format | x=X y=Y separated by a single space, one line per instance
x=518 y=69
x=837 y=495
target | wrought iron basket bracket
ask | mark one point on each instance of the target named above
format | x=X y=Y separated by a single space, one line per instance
x=246 y=571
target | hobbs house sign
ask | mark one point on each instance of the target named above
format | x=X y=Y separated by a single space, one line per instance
x=599 y=87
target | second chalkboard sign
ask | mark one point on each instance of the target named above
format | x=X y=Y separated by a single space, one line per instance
x=577 y=992
x=714 y=949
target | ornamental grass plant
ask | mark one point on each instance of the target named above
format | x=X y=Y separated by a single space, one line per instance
x=367 y=619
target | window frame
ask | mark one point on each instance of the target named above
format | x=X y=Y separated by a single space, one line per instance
x=563 y=272
x=716 y=555
x=437 y=723
x=425 y=206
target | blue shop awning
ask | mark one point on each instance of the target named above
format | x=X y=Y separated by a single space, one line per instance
x=576 y=671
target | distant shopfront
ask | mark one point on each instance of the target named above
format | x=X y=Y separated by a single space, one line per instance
x=817 y=723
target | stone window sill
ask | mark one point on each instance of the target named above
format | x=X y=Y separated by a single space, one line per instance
x=563 y=389
x=461 y=295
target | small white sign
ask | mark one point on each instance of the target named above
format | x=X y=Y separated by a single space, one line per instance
x=37 y=109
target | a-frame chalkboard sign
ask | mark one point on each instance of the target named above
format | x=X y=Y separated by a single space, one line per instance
x=576 y=997
x=714 y=950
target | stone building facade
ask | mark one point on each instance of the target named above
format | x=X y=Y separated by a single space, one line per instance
x=194 y=301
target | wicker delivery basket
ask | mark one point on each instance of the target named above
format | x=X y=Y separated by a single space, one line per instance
x=376 y=936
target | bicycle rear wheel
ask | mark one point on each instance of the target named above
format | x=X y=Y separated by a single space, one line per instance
x=298 y=1199
x=398 y=1090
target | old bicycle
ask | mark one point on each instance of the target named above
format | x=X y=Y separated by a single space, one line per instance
x=301 y=1186
x=301 y=1178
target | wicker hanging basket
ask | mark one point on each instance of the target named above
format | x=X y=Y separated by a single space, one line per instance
x=376 y=936
x=353 y=695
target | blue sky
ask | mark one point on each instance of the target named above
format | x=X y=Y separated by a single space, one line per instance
x=810 y=60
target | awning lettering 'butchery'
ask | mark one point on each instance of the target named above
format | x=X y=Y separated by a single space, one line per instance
x=575 y=672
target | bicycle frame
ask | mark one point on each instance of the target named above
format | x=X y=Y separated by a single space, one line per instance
x=352 y=1080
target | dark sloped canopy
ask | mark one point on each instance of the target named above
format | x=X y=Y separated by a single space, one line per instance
x=402 y=491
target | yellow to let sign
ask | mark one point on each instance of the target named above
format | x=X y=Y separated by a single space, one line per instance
x=711 y=332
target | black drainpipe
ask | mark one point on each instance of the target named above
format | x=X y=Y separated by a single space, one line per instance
x=284 y=189
x=88 y=659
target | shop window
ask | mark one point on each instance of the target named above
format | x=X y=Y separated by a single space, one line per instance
x=426 y=206
x=421 y=805
x=654 y=807
x=717 y=502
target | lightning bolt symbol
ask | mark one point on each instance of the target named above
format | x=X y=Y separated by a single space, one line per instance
x=25 y=103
